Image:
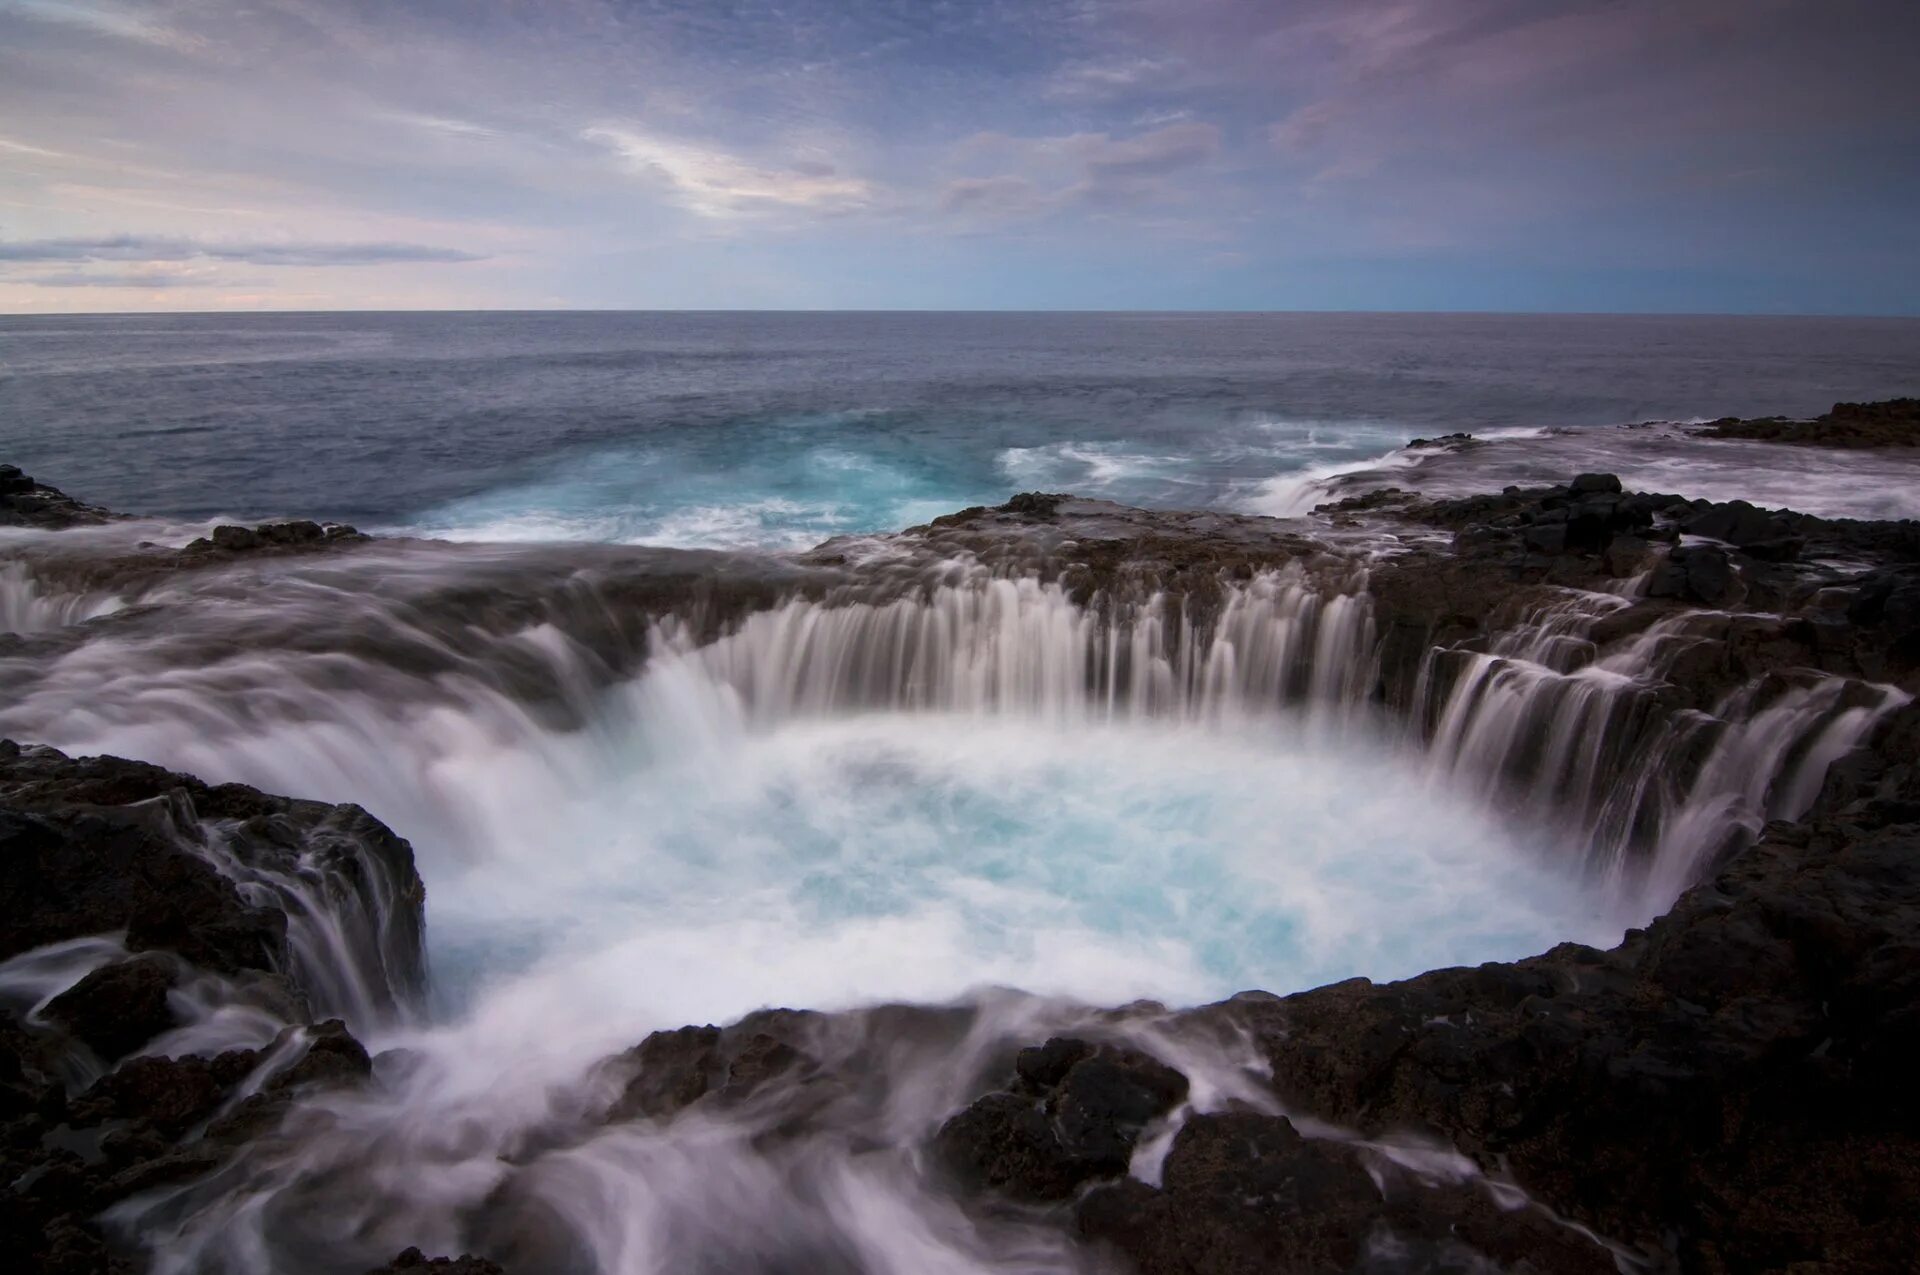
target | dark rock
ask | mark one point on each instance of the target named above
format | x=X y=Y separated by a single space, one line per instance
x=1444 y=440
x=26 y=503
x=169 y=1093
x=1737 y=523
x=1074 y=1115
x=1045 y=1066
x=1889 y=423
x=92 y=845
x=1035 y=504
x=119 y=1007
x=1589 y=484
x=333 y=1057
x=1546 y=537
x=235 y=539
x=412 y=1262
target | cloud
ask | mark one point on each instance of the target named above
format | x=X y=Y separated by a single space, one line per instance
x=716 y=184
x=1098 y=171
x=159 y=278
x=161 y=248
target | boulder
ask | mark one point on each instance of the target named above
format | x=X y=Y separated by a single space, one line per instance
x=119 y=1007
x=1073 y=1113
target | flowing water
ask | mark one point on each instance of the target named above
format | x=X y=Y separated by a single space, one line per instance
x=947 y=786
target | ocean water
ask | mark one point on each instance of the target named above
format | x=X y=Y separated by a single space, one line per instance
x=833 y=805
x=778 y=430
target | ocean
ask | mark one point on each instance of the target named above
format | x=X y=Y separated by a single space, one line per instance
x=780 y=430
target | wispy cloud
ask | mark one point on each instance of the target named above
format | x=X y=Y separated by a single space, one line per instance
x=714 y=183
x=1043 y=175
x=151 y=248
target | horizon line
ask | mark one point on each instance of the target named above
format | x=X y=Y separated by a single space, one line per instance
x=984 y=310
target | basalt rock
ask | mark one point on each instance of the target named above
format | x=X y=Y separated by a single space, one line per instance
x=1888 y=423
x=270 y=536
x=413 y=1262
x=1243 y=1193
x=26 y=503
x=118 y=1007
x=1073 y=1114
x=1730 y=1081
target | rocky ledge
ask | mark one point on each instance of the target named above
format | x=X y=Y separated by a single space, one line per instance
x=26 y=503
x=125 y=888
x=1889 y=423
x=1726 y=1091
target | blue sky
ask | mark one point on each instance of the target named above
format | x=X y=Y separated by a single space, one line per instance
x=1684 y=155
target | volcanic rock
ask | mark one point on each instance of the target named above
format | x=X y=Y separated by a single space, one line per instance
x=26 y=503
x=413 y=1262
x=1074 y=1114
x=118 y=1007
x=1888 y=423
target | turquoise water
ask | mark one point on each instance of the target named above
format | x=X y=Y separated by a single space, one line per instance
x=781 y=429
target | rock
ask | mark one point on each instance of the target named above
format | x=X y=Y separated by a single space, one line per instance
x=1727 y=1077
x=1696 y=573
x=413 y=1262
x=671 y=1070
x=119 y=1007
x=1889 y=423
x=1737 y=523
x=1034 y=504
x=1593 y=484
x=333 y=1057
x=1074 y=1115
x=98 y=844
x=1444 y=440
x=26 y=503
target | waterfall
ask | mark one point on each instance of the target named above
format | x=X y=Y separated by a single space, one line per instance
x=1016 y=645
x=1558 y=730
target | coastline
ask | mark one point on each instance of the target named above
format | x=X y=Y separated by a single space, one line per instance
x=1719 y=1092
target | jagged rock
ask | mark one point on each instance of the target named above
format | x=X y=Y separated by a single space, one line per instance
x=26 y=503
x=298 y=534
x=1888 y=423
x=1074 y=1115
x=92 y=845
x=1731 y=1076
x=118 y=1007
x=671 y=1070
x=412 y=1261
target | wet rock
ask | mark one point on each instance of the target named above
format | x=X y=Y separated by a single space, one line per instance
x=271 y=537
x=671 y=1070
x=413 y=1262
x=1696 y=573
x=1594 y=484
x=1074 y=1114
x=1035 y=504
x=119 y=1007
x=1444 y=440
x=1725 y=1079
x=1888 y=423
x=92 y=845
x=26 y=503
x=169 y=1093
x=333 y=1057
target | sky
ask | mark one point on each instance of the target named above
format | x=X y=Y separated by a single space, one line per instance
x=1698 y=156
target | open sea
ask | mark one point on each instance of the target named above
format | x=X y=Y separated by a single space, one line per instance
x=779 y=430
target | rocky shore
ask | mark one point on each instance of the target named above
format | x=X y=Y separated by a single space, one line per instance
x=1888 y=423
x=1727 y=1090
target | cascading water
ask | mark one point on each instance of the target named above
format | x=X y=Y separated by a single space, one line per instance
x=845 y=796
